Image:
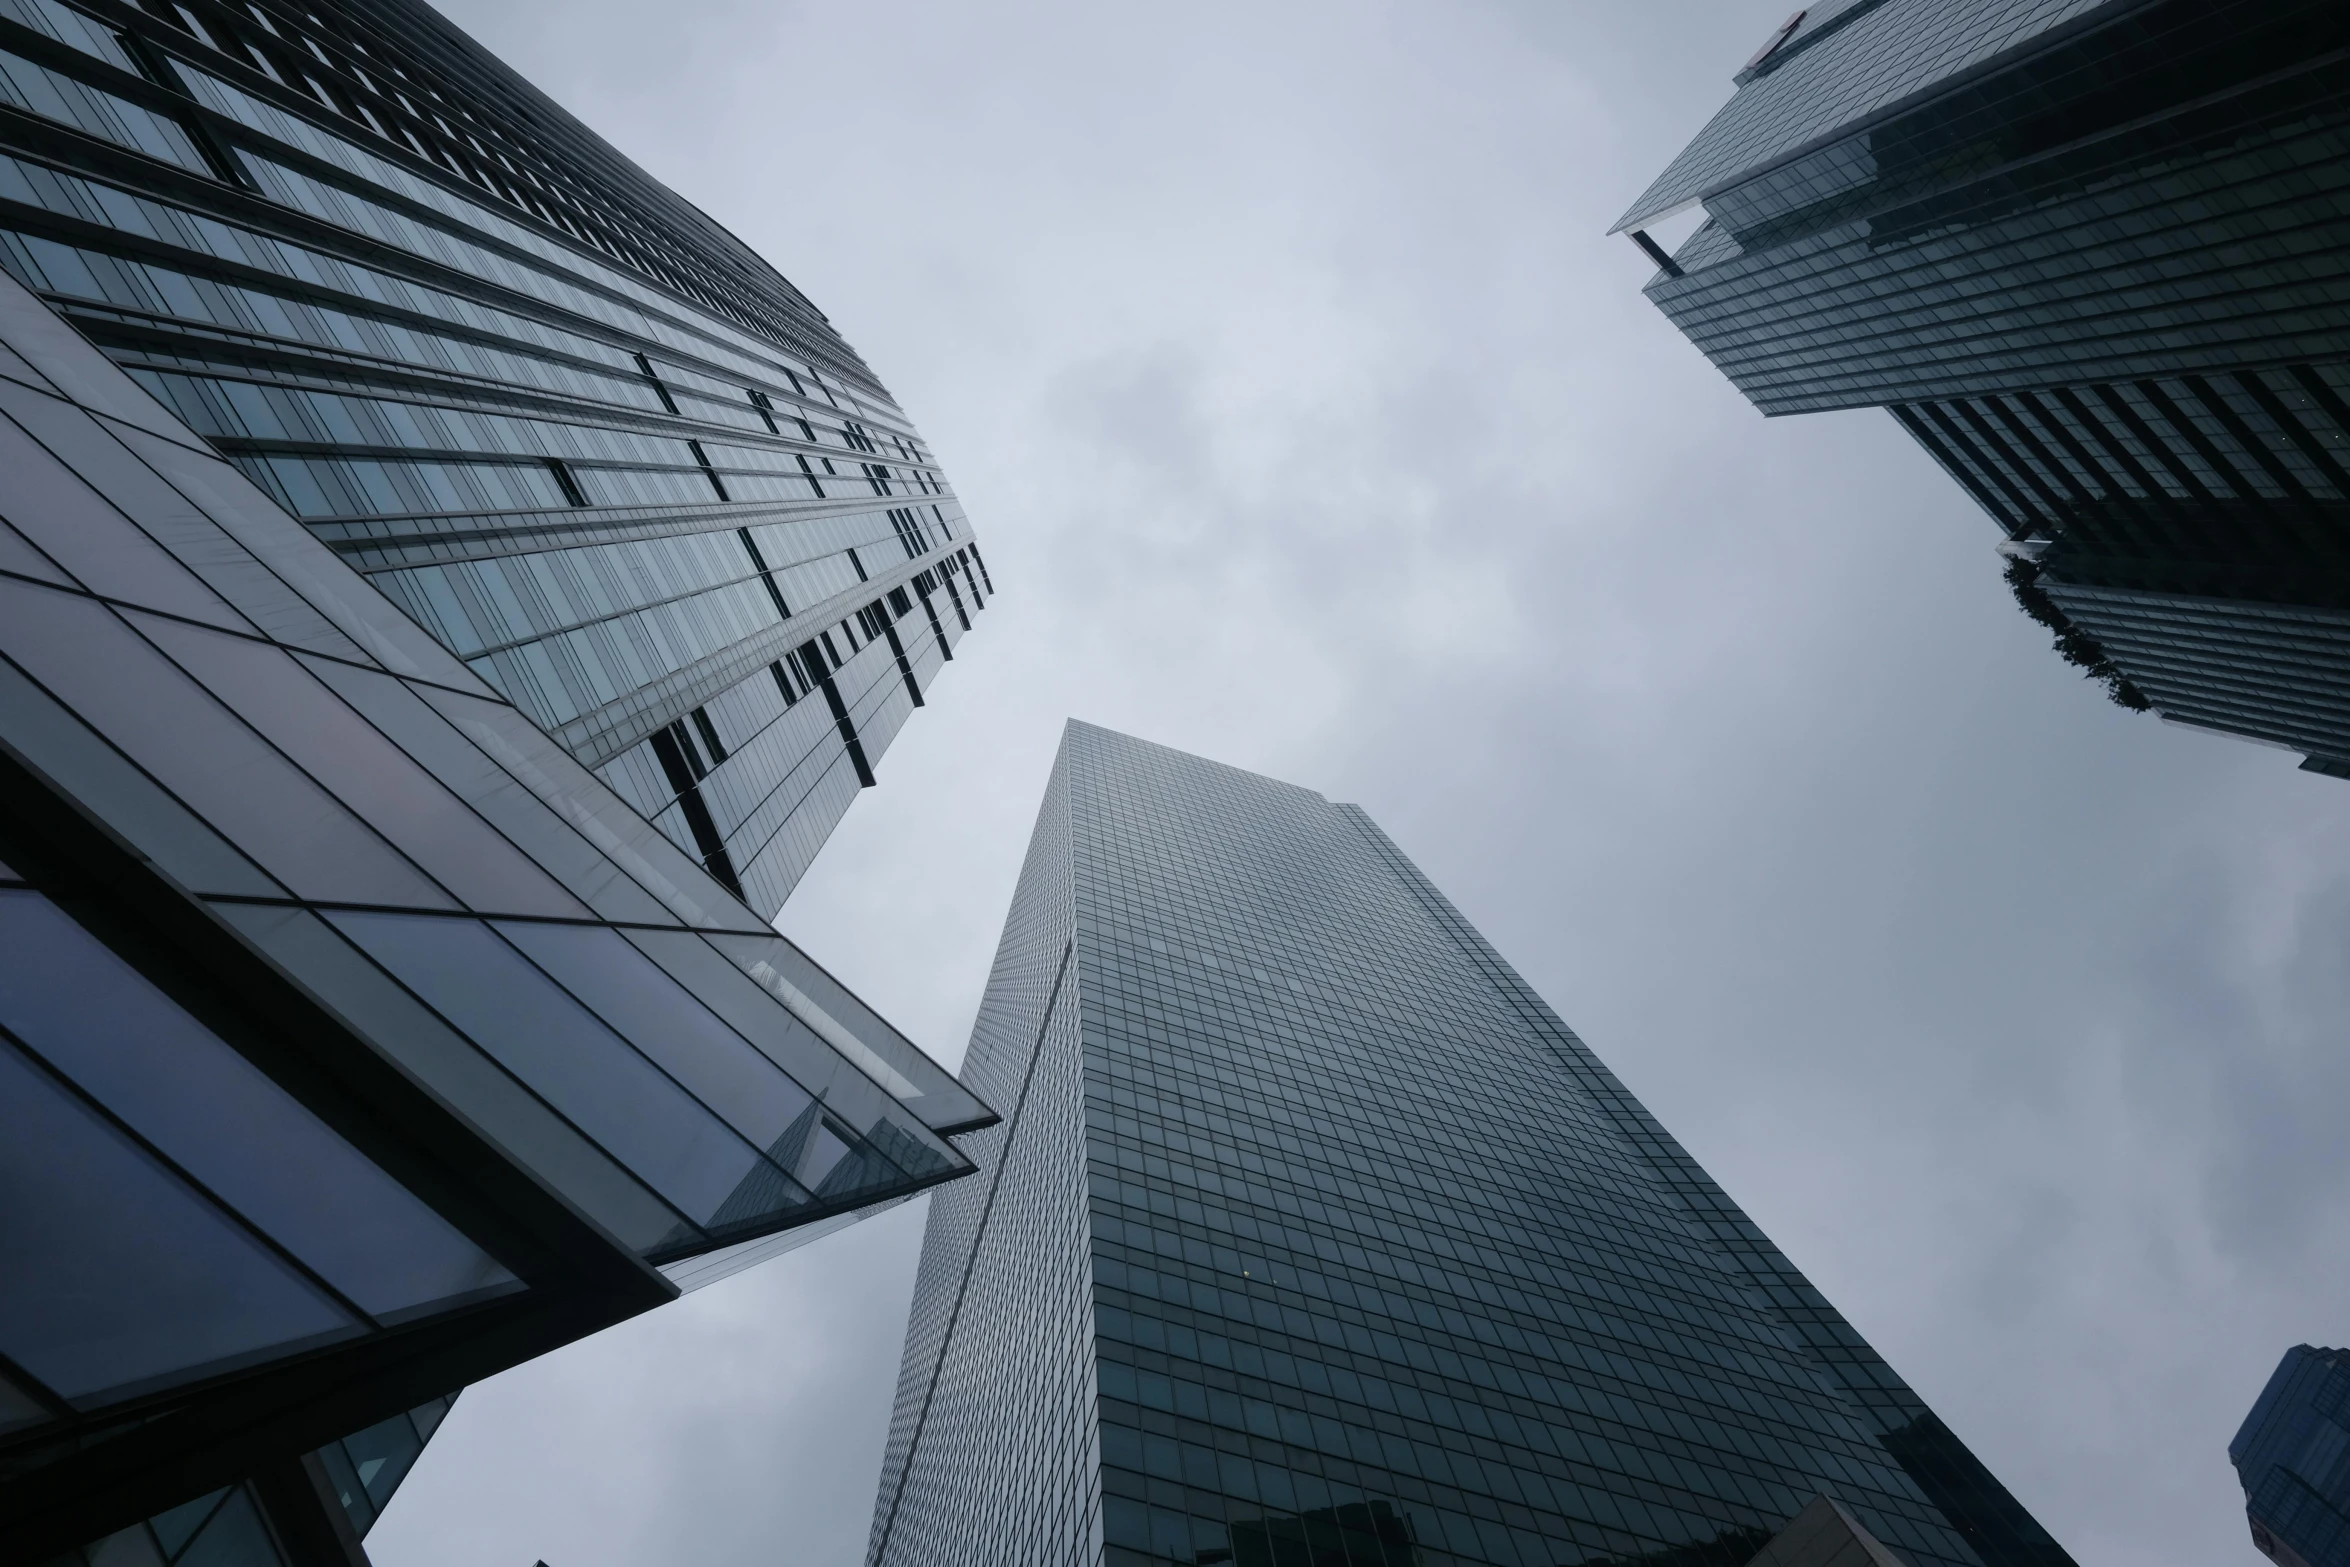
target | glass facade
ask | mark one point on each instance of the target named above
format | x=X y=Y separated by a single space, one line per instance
x=579 y=432
x=2293 y=1457
x=1312 y=1237
x=356 y=1040
x=235 y=1526
x=2095 y=257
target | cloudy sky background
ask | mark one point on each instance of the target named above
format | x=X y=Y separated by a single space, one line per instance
x=1310 y=423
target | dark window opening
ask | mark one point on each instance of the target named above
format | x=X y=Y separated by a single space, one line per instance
x=810 y=655
x=925 y=586
x=673 y=748
x=567 y=481
x=955 y=597
x=708 y=472
x=687 y=751
x=709 y=733
x=759 y=564
x=659 y=389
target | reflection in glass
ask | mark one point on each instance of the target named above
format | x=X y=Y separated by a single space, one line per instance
x=99 y=1022
x=120 y=1273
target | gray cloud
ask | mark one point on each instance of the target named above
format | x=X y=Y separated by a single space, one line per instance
x=1310 y=424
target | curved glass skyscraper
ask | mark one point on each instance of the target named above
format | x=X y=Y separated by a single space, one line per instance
x=449 y=588
x=576 y=429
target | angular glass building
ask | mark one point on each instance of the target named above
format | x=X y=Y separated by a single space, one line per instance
x=1312 y=1237
x=578 y=431
x=2094 y=255
x=356 y=1042
x=448 y=587
x=2293 y=1458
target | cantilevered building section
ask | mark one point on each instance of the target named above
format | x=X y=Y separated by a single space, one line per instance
x=355 y=1041
x=601 y=450
x=2095 y=256
x=1312 y=1236
x=402 y=500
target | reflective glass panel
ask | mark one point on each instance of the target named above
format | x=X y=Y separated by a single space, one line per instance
x=120 y=1275
x=133 y=696
x=96 y=1019
x=380 y=783
x=564 y=1052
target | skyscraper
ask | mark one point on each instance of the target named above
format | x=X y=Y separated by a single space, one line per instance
x=357 y=1040
x=1312 y=1236
x=581 y=433
x=2293 y=1457
x=2094 y=255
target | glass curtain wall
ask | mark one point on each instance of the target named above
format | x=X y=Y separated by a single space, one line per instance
x=1311 y=1236
x=2094 y=255
x=595 y=445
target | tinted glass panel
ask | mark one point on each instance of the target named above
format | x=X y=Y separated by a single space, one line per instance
x=165 y=721
x=374 y=777
x=19 y=1408
x=75 y=526
x=130 y=802
x=245 y=514
x=18 y=556
x=234 y=1536
x=94 y=1018
x=846 y=1091
x=884 y=1054
x=657 y=1016
x=653 y=860
x=559 y=1048
x=119 y=1274
x=489 y=789
x=508 y=1114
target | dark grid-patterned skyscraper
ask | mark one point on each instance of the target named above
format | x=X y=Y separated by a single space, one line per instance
x=2292 y=1456
x=2095 y=256
x=580 y=432
x=1312 y=1238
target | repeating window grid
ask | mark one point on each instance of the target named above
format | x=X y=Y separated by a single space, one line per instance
x=1931 y=429
x=1881 y=58
x=2237 y=404
x=2271 y=671
x=1288 y=1089
x=564 y=382
x=2097 y=270
x=953 y=1490
x=1268 y=1132
x=1966 y=428
x=2055 y=440
x=785 y=779
x=2092 y=420
x=2308 y=422
x=2001 y=425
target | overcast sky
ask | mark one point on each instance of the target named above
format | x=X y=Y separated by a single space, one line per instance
x=1309 y=423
